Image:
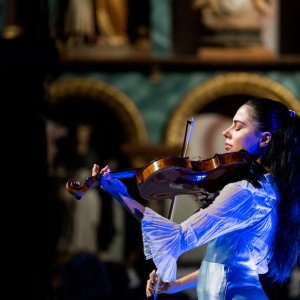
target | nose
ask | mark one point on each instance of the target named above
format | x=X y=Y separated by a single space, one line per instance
x=226 y=132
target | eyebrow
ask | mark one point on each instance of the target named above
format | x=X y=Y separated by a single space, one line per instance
x=238 y=121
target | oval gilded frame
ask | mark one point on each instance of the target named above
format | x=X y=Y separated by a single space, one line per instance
x=224 y=85
x=108 y=95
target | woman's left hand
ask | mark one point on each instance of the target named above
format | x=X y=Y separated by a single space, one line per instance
x=109 y=184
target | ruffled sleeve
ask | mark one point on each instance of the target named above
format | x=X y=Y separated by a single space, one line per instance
x=163 y=240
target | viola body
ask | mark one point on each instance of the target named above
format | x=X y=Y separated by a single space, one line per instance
x=172 y=176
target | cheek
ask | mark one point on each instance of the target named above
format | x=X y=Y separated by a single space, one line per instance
x=238 y=143
x=251 y=144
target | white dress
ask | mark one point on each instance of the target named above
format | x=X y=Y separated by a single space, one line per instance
x=239 y=227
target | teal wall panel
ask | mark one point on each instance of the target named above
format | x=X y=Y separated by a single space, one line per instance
x=156 y=96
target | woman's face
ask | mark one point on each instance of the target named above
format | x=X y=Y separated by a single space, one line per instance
x=243 y=134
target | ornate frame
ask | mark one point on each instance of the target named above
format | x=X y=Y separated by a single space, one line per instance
x=108 y=95
x=224 y=85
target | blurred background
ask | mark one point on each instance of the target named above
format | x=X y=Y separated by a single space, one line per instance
x=114 y=82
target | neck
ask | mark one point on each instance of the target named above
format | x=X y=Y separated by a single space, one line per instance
x=259 y=160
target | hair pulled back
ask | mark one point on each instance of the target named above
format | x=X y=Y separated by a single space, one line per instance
x=282 y=158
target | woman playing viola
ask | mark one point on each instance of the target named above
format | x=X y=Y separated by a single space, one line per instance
x=249 y=229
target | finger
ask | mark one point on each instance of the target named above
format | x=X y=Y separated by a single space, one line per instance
x=106 y=169
x=150 y=284
x=148 y=294
x=152 y=275
x=149 y=291
x=95 y=170
x=107 y=178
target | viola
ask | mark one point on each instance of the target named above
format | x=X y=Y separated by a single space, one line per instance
x=170 y=176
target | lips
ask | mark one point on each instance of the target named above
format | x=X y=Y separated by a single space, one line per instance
x=227 y=146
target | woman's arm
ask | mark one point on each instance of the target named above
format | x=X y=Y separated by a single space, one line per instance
x=186 y=282
x=119 y=191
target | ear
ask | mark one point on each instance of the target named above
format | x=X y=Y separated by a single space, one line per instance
x=265 y=139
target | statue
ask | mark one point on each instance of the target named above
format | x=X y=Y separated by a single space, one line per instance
x=102 y=22
x=79 y=24
x=111 y=19
x=234 y=23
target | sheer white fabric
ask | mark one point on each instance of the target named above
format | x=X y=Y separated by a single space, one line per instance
x=238 y=226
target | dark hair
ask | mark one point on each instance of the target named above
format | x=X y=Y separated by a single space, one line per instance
x=282 y=157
